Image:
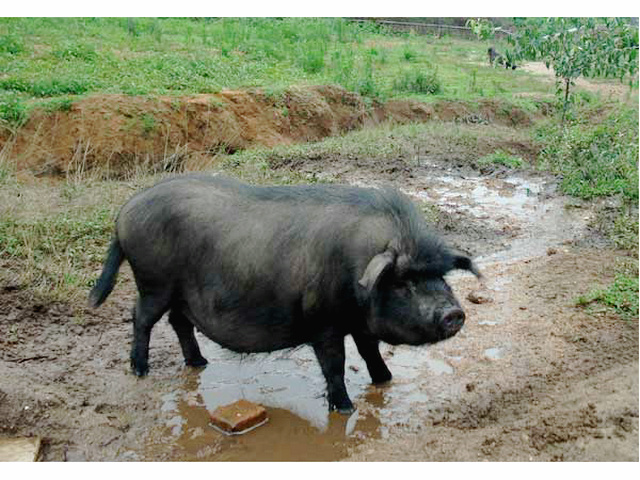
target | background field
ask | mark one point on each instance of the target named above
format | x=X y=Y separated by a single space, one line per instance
x=94 y=109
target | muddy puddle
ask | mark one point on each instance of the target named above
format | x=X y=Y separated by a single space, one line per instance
x=527 y=210
x=290 y=385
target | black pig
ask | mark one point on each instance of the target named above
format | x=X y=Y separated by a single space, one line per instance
x=258 y=269
x=497 y=57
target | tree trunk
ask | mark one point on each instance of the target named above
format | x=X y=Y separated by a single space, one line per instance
x=567 y=82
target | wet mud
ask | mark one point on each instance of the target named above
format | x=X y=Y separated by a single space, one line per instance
x=530 y=377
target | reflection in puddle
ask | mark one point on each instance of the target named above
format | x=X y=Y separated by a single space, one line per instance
x=291 y=387
x=494 y=353
x=490 y=322
x=285 y=437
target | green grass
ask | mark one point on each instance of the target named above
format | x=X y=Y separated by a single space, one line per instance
x=621 y=296
x=45 y=57
x=14 y=112
x=501 y=158
x=418 y=81
x=595 y=157
x=57 y=255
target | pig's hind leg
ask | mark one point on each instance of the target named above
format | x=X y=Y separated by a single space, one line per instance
x=185 y=331
x=148 y=310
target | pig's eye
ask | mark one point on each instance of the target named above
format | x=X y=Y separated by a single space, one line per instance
x=405 y=289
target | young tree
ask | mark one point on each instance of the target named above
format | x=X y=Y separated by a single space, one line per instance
x=591 y=47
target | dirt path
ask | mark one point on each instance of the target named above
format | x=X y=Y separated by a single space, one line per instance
x=606 y=89
x=530 y=377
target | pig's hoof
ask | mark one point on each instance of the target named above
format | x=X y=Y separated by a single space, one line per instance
x=196 y=362
x=139 y=371
x=346 y=410
x=381 y=379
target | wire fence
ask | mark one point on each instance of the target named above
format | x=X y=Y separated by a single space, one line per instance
x=430 y=28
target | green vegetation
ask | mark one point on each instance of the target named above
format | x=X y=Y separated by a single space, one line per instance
x=501 y=158
x=595 y=158
x=14 y=112
x=45 y=57
x=574 y=47
x=58 y=255
x=418 y=81
x=621 y=295
x=596 y=153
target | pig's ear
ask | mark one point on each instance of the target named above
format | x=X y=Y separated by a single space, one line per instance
x=462 y=262
x=378 y=265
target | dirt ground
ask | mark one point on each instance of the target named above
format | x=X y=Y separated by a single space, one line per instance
x=530 y=377
x=606 y=89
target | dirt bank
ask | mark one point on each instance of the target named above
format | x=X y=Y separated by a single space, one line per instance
x=119 y=134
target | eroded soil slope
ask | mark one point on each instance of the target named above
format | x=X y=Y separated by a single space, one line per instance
x=119 y=134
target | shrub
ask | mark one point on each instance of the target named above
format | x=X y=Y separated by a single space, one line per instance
x=418 y=81
x=594 y=158
x=11 y=44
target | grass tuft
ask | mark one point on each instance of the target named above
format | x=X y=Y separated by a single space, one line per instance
x=501 y=158
x=621 y=296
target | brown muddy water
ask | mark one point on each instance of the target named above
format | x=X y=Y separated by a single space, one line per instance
x=527 y=212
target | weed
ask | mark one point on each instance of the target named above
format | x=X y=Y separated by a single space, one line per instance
x=418 y=81
x=61 y=104
x=5 y=173
x=312 y=60
x=148 y=124
x=625 y=231
x=14 y=112
x=594 y=158
x=11 y=44
x=408 y=54
x=60 y=253
x=49 y=87
x=76 y=51
x=501 y=158
x=217 y=103
x=621 y=295
x=14 y=335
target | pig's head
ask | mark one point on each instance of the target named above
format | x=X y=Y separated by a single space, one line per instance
x=410 y=302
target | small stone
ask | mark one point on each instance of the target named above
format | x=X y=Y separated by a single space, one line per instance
x=478 y=298
x=551 y=251
x=21 y=449
x=239 y=416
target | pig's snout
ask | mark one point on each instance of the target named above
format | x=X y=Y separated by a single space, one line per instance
x=452 y=321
